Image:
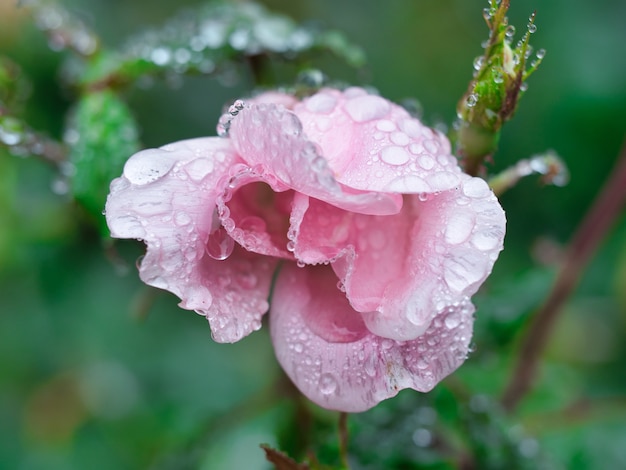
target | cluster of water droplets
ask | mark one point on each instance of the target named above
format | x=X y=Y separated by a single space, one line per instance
x=223 y=124
x=207 y=38
x=21 y=141
x=64 y=30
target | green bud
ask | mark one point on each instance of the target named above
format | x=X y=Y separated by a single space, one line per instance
x=496 y=87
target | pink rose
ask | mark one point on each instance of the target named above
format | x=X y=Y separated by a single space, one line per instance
x=376 y=237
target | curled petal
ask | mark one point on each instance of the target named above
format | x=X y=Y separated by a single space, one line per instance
x=324 y=347
x=373 y=144
x=401 y=271
x=271 y=137
x=254 y=210
x=166 y=197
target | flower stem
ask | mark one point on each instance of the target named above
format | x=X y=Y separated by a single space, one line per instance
x=599 y=219
x=343 y=439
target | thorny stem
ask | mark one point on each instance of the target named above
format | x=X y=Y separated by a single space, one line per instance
x=588 y=236
x=343 y=439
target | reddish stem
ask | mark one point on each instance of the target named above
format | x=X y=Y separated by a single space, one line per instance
x=591 y=231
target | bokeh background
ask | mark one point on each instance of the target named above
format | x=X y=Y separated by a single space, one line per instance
x=97 y=371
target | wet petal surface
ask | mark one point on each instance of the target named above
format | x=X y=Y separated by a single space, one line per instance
x=375 y=145
x=323 y=346
x=401 y=271
x=166 y=197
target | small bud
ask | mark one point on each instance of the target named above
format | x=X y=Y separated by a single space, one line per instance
x=497 y=85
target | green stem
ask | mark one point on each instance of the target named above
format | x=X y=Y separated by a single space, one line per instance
x=343 y=439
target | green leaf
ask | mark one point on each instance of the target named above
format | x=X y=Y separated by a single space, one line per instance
x=206 y=40
x=103 y=134
x=14 y=86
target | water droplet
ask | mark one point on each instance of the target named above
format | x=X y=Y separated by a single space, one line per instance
x=322 y=103
x=182 y=218
x=298 y=347
x=459 y=227
x=253 y=224
x=10 y=133
x=523 y=86
x=452 y=321
x=422 y=437
x=471 y=100
x=541 y=53
x=367 y=108
x=60 y=186
x=510 y=31
x=478 y=62
x=485 y=240
x=160 y=56
x=147 y=166
x=327 y=384
x=497 y=76
x=532 y=28
x=386 y=125
x=394 y=156
x=220 y=245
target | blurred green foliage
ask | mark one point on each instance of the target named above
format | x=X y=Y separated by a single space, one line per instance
x=97 y=371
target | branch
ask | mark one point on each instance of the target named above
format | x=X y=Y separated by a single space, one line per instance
x=597 y=222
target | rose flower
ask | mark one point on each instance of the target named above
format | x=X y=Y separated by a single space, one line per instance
x=352 y=213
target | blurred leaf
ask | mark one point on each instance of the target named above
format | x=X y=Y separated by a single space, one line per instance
x=103 y=135
x=503 y=309
x=204 y=40
x=14 y=86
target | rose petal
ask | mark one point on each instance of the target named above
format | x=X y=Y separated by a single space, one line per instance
x=373 y=144
x=254 y=209
x=400 y=271
x=271 y=137
x=358 y=371
x=166 y=197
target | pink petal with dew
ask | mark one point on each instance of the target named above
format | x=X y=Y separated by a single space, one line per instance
x=254 y=209
x=401 y=271
x=373 y=144
x=166 y=197
x=271 y=137
x=326 y=350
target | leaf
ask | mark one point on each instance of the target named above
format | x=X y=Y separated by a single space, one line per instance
x=208 y=39
x=102 y=135
x=282 y=461
x=14 y=86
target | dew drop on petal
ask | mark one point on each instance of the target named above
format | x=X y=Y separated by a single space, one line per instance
x=386 y=125
x=485 y=240
x=476 y=188
x=367 y=108
x=147 y=166
x=459 y=227
x=322 y=103
x=220 y=245
x=328 y=384
x=452 y=321
x=394 y=155
x=253 y=223
x=182 y=218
